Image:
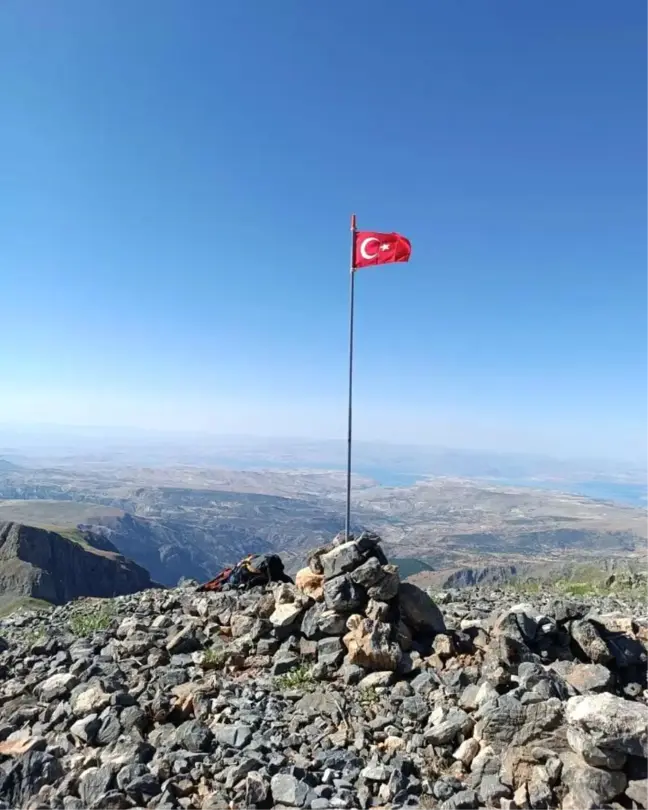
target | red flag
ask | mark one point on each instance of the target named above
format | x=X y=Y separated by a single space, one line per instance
x=379 y=248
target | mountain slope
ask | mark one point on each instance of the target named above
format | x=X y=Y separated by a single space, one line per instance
x=46 y=565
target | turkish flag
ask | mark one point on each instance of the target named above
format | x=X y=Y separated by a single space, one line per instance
x=379 y=248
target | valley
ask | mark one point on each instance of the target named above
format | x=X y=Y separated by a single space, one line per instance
x=191 y=519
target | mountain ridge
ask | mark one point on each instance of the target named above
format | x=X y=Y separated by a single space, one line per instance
x=45 y=565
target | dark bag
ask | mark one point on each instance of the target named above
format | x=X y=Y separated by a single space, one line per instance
x=253 y=570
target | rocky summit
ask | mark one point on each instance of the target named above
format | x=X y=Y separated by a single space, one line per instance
x=348 y=689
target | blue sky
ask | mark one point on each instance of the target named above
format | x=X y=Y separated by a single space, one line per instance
x=177 y=180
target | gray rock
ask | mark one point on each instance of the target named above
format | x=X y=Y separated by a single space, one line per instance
x=319 y=621
x=419 y=611
x=376 y=772
x=129 y=773
x=464 y=800
x=283 y=661
x=425 y=683
x=25 y=777
x=257 y=789
x=387 y=587
x=577 y=775
x=375 y=679
x=57 y=687
x=112 y=800
x=581 y=743
x=86 y=729
x=133 y=717
x=368 y=574
x=491 y=789
x=330 y=651
x=318 y=704
x=69 y=803
x=343 y=595
x=456 y=722
x=287 y=614
x=194 y=736
x=500 y=721
x=94 y=783
x=590 y=643
x=288 y=790
x=237 y=735
x=109 y=730
x=183 y=640
x=341 y=559
x=143 y=787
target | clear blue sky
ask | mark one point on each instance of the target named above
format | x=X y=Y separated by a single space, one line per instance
x=176 y=184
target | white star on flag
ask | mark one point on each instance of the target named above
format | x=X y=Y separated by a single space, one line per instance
x=385 y=246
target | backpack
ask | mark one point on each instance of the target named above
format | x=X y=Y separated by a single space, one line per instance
x=251 y=571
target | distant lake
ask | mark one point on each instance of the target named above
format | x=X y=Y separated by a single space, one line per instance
x=386 y=477
x=634 y=494
x=389 y=478
x=631 y=494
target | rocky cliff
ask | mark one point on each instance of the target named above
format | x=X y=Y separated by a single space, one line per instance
x=45 y=565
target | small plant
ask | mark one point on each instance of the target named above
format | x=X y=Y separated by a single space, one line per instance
x=34 y=636
x=579 y=588
x=369 y=696
x=528 y=587
x=300 y=678
x=85 y=624
x=215 y=658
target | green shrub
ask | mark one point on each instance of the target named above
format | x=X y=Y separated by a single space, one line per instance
x=93 y=621
x=300 y=678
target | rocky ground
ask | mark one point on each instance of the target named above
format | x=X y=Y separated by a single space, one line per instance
x=347 y=690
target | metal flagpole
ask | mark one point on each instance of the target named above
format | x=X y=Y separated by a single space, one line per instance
x=347 y=530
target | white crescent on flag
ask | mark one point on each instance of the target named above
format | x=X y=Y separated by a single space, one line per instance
x=363 y=248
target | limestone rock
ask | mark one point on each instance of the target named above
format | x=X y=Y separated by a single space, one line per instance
x=369 y=645
x=310 y=583
x=611 y=722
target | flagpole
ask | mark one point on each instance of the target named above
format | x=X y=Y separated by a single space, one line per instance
x=347 y=525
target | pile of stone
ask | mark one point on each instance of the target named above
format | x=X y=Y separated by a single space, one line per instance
x=350 y=610
x=345 y=691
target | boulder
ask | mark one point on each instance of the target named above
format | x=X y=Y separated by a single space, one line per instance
x=387 y=587
x=419 y=611
x=343 y=596
x=610 y=722
x=341 y=559
x=589 y=678
x=578 y=776
x=589 y=643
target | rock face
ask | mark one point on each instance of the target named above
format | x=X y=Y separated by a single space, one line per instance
x=180 y=700
x=46 y=565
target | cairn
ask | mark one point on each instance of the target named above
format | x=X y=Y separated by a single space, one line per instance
x=352 y=613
